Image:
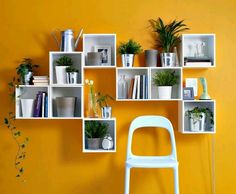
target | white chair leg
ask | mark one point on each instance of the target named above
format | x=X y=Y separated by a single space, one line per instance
x=176 y=180
x=127 y=180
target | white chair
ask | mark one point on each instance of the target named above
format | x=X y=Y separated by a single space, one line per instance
x=134 y=161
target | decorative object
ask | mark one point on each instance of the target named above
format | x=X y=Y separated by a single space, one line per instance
x=67 y=40
x=27 y=107
x=204 y=95
x=176 y=57
x=94 y=59
x=105 y=109
x=122 y=88
x=107 y=142
x=72 y=75
x=164 y=80
x=62 y=63
x=168 y=38
x=105 y=53
x=188 y=93
x=128 y=50
x=197 y=118
x=94 y=131
x=151 y=58
x=192 y=83
x=91 y=109
x=25 y=71
x=65 y=106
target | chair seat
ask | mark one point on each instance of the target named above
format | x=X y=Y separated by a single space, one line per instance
x=152 y=162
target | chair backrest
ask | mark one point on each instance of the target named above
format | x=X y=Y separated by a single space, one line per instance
x=151 y=121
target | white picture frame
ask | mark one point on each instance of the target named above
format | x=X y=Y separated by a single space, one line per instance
x=105 y=51
x=192 y=83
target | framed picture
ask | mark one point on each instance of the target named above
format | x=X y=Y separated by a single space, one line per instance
x=192 y=82
x=188 y=93
x=105 y=54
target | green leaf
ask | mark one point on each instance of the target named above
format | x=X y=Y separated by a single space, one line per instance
x=6 y=121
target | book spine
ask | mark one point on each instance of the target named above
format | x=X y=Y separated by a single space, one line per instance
x=141 y=86
x=138 y=87
x=37 y=111
x=131 y=88
x=43 y=103
x=134 y=87
x=46 y=106
x=144 y=86
x=35 y=106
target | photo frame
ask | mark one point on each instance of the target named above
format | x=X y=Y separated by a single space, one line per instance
x=188 y=93
x=193 y=83
x=105 y=51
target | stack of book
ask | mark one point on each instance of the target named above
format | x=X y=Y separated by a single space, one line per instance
x=197 y=61
x=138 y=87
x=40 y=80
x=41 y=105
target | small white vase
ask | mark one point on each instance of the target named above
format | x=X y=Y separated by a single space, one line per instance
x=61 y=74
x=197 y=124
x=127 y=60
x=27 y=107
x=164 y=92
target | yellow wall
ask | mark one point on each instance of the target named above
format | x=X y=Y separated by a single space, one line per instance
x=55 y=163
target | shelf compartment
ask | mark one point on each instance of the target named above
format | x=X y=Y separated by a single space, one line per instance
x=67 y=92
x=184 y=124
x=111 y=130
x=176 y=89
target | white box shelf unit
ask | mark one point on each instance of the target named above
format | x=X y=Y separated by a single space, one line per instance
x=91 y=41
x=78 y=62
x=111 y=131
x=29 y=92
x=184 y=122
x=198 y=51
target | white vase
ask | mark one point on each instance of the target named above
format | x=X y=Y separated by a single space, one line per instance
x=61 y=74
x=27 y=107
x=197 y=124
x=127 y=60
x=164 y=92
x=168 y=59
x=65 y=106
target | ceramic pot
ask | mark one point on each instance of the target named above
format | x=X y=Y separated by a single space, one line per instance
x=72 y=77
x=197 y=124
x=27 y=107
x=164 y=92
x=94 y=59
x=168 y=59
x=151 y=58
x=28 y=78
x=106 y=112
x=65 y=106
x=94 y=143
x=127 y=60
x=61 y=74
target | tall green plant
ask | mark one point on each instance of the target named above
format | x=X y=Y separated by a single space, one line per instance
x=165 y=78
x=168 y=34
x=130 y=47
x=95 y=129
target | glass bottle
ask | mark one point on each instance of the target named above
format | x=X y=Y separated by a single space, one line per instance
x=122 y=88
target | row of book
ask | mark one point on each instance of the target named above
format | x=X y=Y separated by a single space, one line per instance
x=40 y=80
x=41 y=104
x=138 y=87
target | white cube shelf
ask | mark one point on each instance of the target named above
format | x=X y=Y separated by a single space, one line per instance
x=91 y=41
x=191 y=49
x=184 y=123
x=78 y=63
x=66 y=91
x=111 y=131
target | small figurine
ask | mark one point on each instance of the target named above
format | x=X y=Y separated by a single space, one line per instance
x=205 y=95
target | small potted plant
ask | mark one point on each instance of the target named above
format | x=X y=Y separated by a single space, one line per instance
x=128 y=50
x=25 y=71
x=168 y=38
x=72 y=75
x=164 y=80
x=102 y=100
x=197 y=118
x=61 y=64
x=94 y=132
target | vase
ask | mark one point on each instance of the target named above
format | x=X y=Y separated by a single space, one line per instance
x=92 y=106
x=168 y=59
x=61 y=74
x=27 y=106
x=197 y=123
x=151 y=58
x=65 y=106
x=127 y=60
x=122 y=88
x=106 y=112
x=94 y=59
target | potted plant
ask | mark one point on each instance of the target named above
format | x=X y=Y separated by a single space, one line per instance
x=164 y=80
x=25 y=71
x=128 y=50
x=72 y=75
x=94 y=131
x=197 y=118
x=168 y=38
x=102 y=100
x=62 y=63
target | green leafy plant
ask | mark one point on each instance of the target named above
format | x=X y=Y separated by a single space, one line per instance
x=102 y=99
x=130 y=47
x=71 y=69
x=95 y=129
x=165 y=78
x=168 y=34
x=64 y=61
x=196 y=114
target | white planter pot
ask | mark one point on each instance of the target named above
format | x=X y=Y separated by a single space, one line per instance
x=61 y=74
x=127 y=60
x=94 y=143
x=106 y=112
x=72 y=78
x=168 y=59
x=197 y=124
x=164 y=92
x=27 y=107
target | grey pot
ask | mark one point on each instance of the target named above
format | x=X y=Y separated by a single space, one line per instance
x=106 y=112
x=94 y=143
x=168 y=59
x=127 y=60
x=65 y=106
x=151 y=58
x=94 y=59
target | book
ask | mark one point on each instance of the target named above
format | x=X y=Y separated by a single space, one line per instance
x=46 y=106
x=135 y=87
x=198 y=64
x=41 y=84
x=38 y=105
x=141 y=87
x=130 y=92
x=43 y=103
x=40 y=77
x=40 y=81
x=138 y=87
x=144 y=86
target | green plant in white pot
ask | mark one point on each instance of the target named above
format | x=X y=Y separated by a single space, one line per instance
x=94 y=132
x=72 y=75
x=198 y=117
x=61 y=64
x=164 y=80
x=168 y=38
x=128 y=50
x=102 y=100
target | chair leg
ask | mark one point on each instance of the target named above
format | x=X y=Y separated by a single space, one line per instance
x=127 y=180
x=176 y=180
